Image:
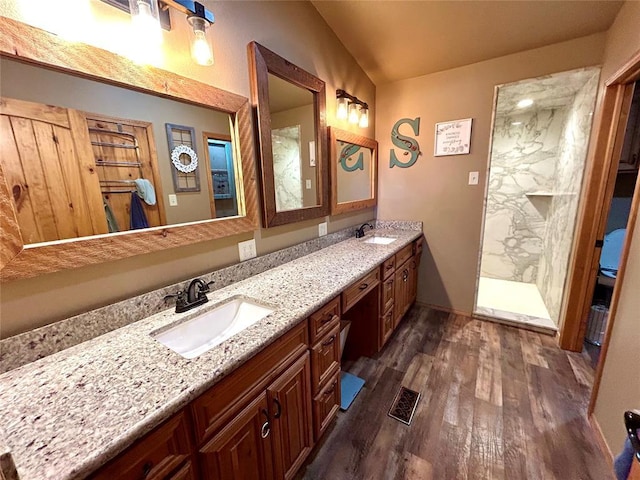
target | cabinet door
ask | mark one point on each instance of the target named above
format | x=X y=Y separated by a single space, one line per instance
x=401 y=293
x=290 y=400
x=243 y=450
x=388 y=294
x=386 y=326
x=325 y=359
x=413 y=279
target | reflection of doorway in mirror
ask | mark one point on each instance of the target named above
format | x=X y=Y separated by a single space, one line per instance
x=287 y=168
x=222 y=182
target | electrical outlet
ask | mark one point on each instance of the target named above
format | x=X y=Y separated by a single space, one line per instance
x=247 y=249
x=473 y=178
x=322 y=229
x=307 y=183
x=173 y=200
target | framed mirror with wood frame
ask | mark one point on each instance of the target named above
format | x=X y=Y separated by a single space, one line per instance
x=354 y=171
x=291 y=129
x=33 y=242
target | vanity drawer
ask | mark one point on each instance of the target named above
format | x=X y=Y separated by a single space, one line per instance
x=326 y=405
x=404 y=254
x=323 y=320
x=154 y=456
x=417 y=250
x=387 y=294
x=388 y=266
x=325 y=358
x=359 y=289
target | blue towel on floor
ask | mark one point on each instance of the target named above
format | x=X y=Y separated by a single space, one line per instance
x=622 y=463
x=138 y=218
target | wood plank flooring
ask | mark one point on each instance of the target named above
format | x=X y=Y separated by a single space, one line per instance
x=497 y=403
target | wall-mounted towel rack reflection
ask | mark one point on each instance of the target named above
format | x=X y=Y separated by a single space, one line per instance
x=105 y=182
x=108 y=192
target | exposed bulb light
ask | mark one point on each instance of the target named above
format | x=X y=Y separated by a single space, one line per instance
x=342 y=108
x=352 y=109
x=144 y=17
x=527 y=102
x=354 y=114
x=516 y=123
x=201 y=49
x=364 y=117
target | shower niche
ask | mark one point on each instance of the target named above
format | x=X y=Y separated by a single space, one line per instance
x=538 y=151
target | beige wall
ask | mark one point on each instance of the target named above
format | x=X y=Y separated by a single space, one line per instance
x=620 y=384
x=294 y=30
x=434 y=190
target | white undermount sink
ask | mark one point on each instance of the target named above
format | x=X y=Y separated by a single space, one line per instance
x=380 y=240
x=197 y=335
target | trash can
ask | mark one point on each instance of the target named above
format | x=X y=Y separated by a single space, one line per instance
x=597 y=324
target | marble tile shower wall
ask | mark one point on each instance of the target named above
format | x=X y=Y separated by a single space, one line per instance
x=523 y=160
x=561 y=217
x=41 y=342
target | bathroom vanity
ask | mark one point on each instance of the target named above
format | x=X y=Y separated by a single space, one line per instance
x=267 y=394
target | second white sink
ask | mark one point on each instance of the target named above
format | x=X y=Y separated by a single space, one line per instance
x=197 y=335
x=380 y=240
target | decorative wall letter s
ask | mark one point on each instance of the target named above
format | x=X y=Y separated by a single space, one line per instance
x=410 y=145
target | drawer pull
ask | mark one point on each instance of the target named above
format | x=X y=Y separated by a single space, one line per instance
x=146 y=469
x=364 y=286
x=266 y=426
x=329 y=317
x=330 y=391
x=330 y=341
x=390 y=266
x=279 y=407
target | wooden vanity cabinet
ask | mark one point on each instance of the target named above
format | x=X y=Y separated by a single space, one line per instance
x=163 y=454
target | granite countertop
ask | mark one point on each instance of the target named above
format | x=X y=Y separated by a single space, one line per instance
x=67 y=414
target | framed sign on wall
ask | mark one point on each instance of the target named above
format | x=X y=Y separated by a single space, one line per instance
x=453 y=138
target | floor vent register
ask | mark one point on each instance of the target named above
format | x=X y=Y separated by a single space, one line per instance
x=404 y=405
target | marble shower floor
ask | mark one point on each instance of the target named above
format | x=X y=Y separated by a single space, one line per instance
x=515 y=303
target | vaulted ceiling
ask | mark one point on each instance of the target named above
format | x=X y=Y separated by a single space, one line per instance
x=397 y=39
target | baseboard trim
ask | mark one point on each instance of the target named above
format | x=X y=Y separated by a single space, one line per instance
x=602 y=443
x=443 y=309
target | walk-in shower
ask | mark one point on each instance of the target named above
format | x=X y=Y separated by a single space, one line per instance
x=538 y=150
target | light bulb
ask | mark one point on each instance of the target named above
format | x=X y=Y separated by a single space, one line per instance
x=201 y=50
x=342 y=108
x=364 y=118
x=144 y=17
x=354 y=115
x=527 y=102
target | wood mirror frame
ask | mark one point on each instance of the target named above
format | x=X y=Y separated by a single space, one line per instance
x=335 y=135
x=32 y=45
x=263 y=62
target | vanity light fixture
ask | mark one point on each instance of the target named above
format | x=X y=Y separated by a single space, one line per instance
x=144 y=16
x=352 y=109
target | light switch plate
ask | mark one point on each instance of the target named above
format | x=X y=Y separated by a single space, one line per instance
x=312 y=153
x=473 y=178
x=247 y=249
x=307 y=183
x=322 y=229
x=173 y=200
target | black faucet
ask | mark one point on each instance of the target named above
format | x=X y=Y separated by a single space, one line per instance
x=360 y=231
x=195 y=295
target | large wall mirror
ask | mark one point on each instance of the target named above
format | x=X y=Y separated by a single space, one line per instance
x=105 y=159
x=290 y=107
x=354 y=171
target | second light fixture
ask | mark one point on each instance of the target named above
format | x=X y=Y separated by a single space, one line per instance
x=351 y=108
